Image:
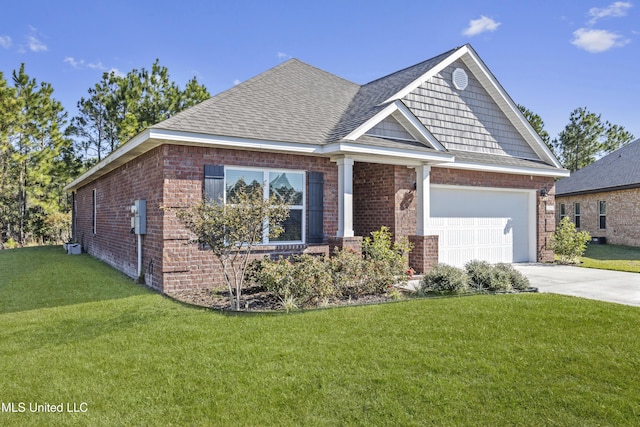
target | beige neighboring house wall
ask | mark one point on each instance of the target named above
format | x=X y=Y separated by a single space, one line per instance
x=622 y=219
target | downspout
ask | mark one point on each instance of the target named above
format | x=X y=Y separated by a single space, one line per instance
x=139 y=256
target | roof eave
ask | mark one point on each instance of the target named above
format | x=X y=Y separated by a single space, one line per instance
x=599 y=190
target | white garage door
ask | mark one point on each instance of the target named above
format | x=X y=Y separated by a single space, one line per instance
x=484 y=224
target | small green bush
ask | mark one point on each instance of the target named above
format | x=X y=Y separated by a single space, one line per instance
x=443 y=278
x=516 y=279
x=568 y=243
x=500 y=277
x=386 y=260
x=301 y=280
x=351 y=276
x=480 y=274
x=10 y=244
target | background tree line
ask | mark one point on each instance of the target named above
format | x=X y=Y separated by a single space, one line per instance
x=41 y=150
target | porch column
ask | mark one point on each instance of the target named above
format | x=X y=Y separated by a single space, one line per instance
x=345 y=197
x=422 y=199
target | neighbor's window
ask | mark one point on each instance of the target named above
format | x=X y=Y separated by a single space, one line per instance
x=576 y=214
x=602 y=214
x=563 y=211
x=287 y=185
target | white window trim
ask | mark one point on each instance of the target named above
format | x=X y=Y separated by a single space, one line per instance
x=577 y=216
x=600 y=214
x=265 y=183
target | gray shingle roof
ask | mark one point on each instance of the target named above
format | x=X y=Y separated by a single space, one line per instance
x=614 y=171
x=293 y=102
x=368 y=101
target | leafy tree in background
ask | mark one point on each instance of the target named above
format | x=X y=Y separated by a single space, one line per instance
x=586 y=138
x=537 y=124
x=119 y=107
x=35 y=158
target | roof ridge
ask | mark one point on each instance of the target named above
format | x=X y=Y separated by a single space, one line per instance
x=418 y=64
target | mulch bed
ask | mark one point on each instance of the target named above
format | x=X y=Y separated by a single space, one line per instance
x=257 y=299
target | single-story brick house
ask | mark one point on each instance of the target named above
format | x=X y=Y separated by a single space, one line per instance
x=604 y=197
x=438 y=152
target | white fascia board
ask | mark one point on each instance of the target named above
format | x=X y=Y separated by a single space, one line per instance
x=387 y=155
x=192 y=138
x=517 y=170
x=419 y=127
x=429 y=74
x=509 y=108
x=399 y=107
x=380 y=116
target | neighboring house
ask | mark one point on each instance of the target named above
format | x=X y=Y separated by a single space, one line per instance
x=438 y=152
x=604 y=197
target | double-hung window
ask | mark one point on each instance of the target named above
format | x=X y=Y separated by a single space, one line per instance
x=287 y=185
x=576 y=214
x=602 y=215
x=563 y=211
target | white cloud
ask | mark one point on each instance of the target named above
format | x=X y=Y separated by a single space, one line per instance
x=282 y=55
x=73 y=62
x=236 y=82
x=596 y=41
x=481 y=25
x=615 y=9
x=5 y=42
x=97 y=66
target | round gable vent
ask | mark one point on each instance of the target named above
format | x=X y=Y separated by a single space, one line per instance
x=460 y=79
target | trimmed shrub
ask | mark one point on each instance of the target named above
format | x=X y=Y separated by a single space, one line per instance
x=480 y=274
x=443 y=278
x=351 y=276
x=301 y=280
x=517 y=280
x=499 y=277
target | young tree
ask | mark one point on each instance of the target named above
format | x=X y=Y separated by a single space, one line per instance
x=568 y=243
x=587 y=137
x=232 y=230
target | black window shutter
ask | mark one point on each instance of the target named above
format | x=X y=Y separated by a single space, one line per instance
x=214 y=183
x=316 y=207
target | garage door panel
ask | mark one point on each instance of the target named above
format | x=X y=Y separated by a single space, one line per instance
x=484 y=224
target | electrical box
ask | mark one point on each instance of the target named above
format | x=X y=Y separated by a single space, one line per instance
x=139 y=219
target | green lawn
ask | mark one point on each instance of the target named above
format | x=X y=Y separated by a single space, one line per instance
x=75 y=331
x=612 y=257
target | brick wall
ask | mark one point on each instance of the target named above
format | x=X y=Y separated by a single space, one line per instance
x=189 y=265
x=113 y=242
x=384 y=195
x=622 y=222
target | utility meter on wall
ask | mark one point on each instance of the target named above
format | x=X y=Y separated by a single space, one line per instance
x=139 y=219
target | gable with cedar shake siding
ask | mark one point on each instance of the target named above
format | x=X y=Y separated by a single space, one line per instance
x=438 y=152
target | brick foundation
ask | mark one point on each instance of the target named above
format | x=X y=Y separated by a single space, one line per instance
x=353 y=243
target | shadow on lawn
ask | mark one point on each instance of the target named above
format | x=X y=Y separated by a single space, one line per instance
x=45 y=277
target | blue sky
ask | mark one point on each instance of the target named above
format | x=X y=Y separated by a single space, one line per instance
x=551 y=56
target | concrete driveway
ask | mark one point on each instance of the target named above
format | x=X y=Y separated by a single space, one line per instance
x=603 y=285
